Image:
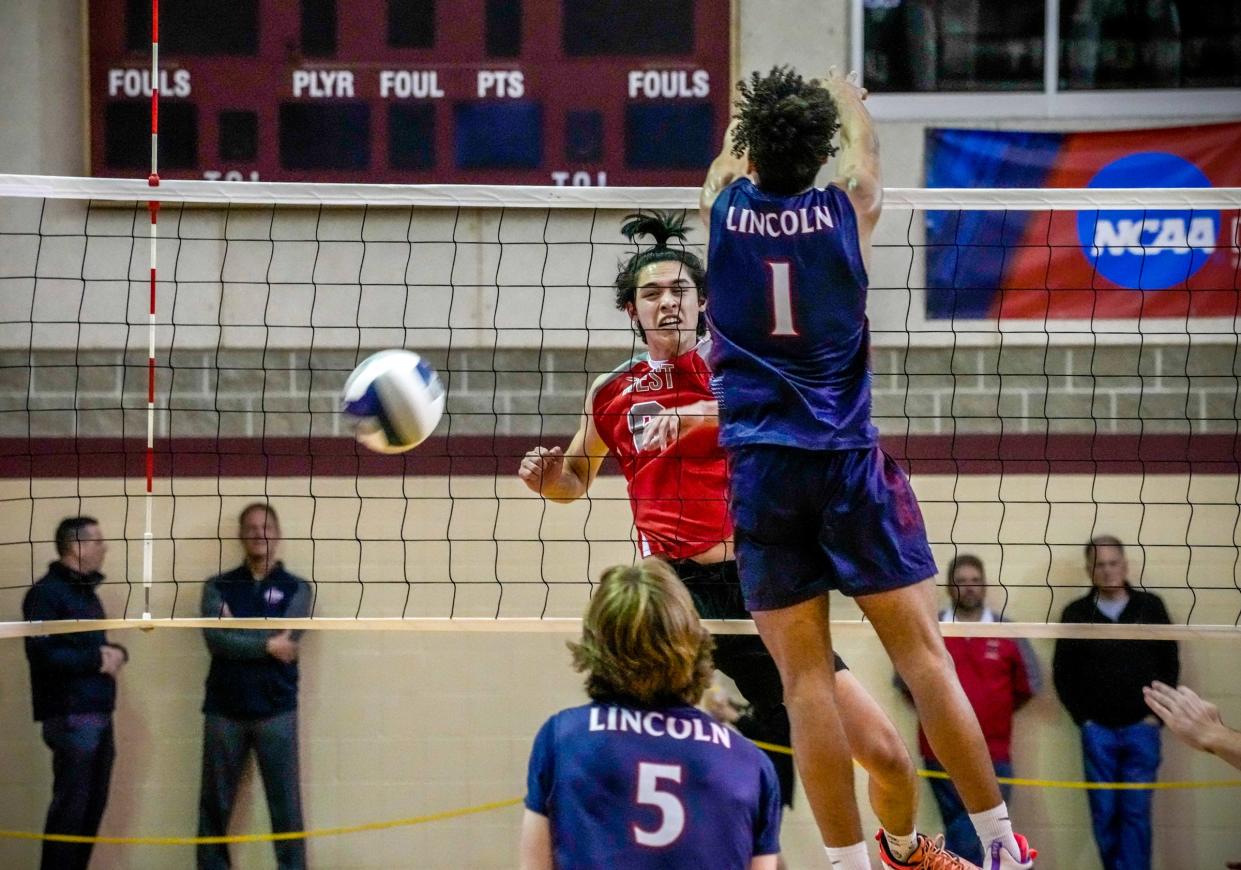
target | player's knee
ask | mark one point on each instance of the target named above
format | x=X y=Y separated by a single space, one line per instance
x=927 y=662
x=885 y=758
x=807 y=685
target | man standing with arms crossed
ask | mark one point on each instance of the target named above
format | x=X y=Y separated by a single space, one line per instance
x=251 y=700
x=815 y=504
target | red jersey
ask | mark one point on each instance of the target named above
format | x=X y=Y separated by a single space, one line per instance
x=679 y=495
x=998 y=676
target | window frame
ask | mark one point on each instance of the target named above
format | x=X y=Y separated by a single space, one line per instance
x=1050 y=102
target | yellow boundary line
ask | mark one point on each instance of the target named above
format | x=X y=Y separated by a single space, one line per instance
x=264 y=838
x=498 y=805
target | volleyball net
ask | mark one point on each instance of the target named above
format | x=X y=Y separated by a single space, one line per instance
x=1048 y=365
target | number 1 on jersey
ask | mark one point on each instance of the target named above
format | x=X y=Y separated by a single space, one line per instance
x=781 y=297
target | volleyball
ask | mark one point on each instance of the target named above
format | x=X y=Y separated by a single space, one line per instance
x=394 y=400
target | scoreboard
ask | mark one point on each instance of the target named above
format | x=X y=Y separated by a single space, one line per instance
x=582 y=92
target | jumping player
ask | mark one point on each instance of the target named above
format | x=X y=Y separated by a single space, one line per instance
x=657 y=415
x=816 y=505
x=639 y=778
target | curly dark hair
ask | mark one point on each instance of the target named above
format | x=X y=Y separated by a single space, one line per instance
x=788 y=124
x=661 y=226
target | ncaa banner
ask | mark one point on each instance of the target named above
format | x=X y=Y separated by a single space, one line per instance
x=1088 y=264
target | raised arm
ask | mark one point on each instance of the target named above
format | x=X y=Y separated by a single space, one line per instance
x=857 y=164
x=565 y=475
x=724 y=170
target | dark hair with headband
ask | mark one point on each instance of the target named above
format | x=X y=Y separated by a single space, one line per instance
x=660 y=226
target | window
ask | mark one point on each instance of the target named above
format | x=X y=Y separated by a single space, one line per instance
x=937 y=58
x=325 y=135
x=239 y=136
x=669 y=135
x=318 y=28
x=127 y=135
x=505 y=135
x=1149 y=44
x=925 y=45
x=503 y=29
x=583 y=136
x=411 y=23
x=195 y=27
x=623 y=27
x=411 y=135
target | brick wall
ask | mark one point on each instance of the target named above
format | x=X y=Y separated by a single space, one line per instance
x=1150 y=388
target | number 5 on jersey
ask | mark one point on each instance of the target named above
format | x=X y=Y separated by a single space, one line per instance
x=671 y=810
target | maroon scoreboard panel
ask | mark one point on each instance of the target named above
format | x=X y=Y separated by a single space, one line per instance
x=583 y=92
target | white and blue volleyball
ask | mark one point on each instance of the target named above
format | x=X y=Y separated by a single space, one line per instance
x=394 y=400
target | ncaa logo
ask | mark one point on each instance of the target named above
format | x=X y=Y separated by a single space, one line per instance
x=1146 y=249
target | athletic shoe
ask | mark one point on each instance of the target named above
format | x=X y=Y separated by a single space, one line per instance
x=930 y=855
x=999 y=858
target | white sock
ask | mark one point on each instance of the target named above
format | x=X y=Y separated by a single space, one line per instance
x=901 y=846
x=855 y=857
x=994 y=824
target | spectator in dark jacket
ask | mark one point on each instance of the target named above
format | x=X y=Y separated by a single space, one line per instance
x=999 y=675
x=73 y=684
x=251 y=700
x=1100 y=683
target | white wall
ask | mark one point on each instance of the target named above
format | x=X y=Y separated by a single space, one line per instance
x=42 y=92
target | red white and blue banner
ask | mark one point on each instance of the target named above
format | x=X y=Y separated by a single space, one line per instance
x=1091 y=264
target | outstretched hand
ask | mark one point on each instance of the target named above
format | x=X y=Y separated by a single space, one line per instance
x=844 y=86
x=1187 y=715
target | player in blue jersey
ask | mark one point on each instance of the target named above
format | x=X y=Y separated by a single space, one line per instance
x=640 y=778
x=816 y=505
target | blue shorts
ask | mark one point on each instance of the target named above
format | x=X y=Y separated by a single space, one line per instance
x=808 y=521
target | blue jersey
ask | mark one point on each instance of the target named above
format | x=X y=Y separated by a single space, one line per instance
x=788 y=317
x=652 y=788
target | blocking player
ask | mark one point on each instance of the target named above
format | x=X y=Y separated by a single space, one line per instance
x=816 y=505
x=640 y=778
x=657 y=415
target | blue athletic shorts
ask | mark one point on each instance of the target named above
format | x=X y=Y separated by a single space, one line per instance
x=808 y=521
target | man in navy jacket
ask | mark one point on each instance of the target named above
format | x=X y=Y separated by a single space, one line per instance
x=73 y=686
x=251 y=699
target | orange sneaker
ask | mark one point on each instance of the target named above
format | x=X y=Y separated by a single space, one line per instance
x=930 y=855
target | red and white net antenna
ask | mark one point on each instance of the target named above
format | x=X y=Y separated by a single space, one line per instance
x=148 y=534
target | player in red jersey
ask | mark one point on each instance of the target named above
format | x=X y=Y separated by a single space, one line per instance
x=656 y=413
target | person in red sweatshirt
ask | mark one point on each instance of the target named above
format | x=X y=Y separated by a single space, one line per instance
x=999 y=675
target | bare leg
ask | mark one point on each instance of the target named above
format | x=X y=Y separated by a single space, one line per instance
x=878 y=747
x=800 y=641
x=908 y=625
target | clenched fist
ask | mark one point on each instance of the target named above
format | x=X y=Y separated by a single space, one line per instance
x=541 y=468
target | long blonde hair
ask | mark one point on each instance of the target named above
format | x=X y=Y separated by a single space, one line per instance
x=642 y=640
